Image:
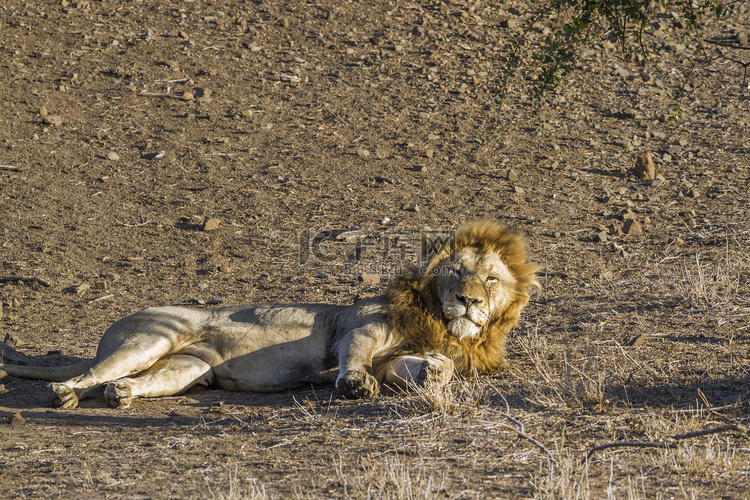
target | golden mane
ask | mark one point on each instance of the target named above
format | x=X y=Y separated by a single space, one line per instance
x=414 y=311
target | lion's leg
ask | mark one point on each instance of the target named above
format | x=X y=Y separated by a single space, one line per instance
x=409 y=371
x=136 y=354
x=171 y=375
x=356 y=351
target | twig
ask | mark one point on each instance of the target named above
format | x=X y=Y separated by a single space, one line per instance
x=520 y=430
x=9 y=167
x=665 y=445
x=101 y=298
x=135 y=225
x=26 y=279
x=155 y=94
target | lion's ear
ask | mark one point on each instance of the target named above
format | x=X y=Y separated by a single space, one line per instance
x=432 y=243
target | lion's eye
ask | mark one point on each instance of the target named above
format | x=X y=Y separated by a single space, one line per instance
x=492 y=279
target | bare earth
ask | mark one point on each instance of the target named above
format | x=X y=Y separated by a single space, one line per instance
x=132 y=124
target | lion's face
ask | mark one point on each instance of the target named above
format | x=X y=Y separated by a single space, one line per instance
x=472 y=288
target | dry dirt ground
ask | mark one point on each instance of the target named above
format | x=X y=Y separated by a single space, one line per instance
x=131 y=124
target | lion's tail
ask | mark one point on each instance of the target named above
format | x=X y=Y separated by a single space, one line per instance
x=48 y=373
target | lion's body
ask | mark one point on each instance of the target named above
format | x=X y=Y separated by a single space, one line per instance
x=456 y=310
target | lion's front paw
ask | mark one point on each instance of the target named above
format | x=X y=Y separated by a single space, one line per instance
x=436 y=369
x=359 y=384
x=118 y=394
x=65 y=397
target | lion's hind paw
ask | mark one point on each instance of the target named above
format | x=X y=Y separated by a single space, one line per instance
x=65 y=397
x=118 y=394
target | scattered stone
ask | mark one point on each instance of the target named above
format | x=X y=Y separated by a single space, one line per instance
x=632 y=226
x=263 y=276
x=188 y=95
x=628 y=214
x=202 y=92
x=636 y=341
x=43 y=111
x=429 y=153
x=363 y=153
x=214 y=301
x=419 y=168
x=666 y=158
x=644 y=166
x=369 y=279
x=602 y=236
x=211 y=224
x=112 y=156
x=54 y=120
x=519 y=190
x=692 y=194
x=621 y=72
x=412 y=208
x=223 y=268
x=81 y=289
x=512 y=176
x=658 y=181
x=100 y=285
x=17 y=419
x=321 y=276
x=197 y=301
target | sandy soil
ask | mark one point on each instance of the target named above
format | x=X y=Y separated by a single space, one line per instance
x=132 y=127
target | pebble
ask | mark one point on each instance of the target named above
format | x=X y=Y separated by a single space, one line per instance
x=429 y=152
x=43 y=111
x=202 y=92
x=512 y=176
x=632 y=226
x=321 y=276
x=419 y=168
x=363 y=153
x=644 y=166
x=412 y=208
x=188 y=95
x=628 y=215
x=54 y=120
x=601 y=236
x=519 y=190
x=112 y=156
x=17 y=419
x=621 y=72
x=658 y=181
x=211 y=224
x=369 y=279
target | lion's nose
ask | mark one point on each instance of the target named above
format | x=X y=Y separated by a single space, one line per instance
x=468 y=300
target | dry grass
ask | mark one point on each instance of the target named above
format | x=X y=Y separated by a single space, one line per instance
x=391 y=476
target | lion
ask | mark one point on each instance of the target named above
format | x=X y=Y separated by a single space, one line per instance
x=450 y=315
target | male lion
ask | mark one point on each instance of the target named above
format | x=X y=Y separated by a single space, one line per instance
x=451 y=314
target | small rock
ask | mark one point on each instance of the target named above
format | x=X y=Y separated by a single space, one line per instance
x=628 y=214
x=202 y=92
x=666 y=157
x=621 y=72
x=17 y=419
x=188 y=95
x=100 y=285
x=632 y=226
x=429 y=153
x=519 y=190
x=211 y=224
x=112 y=156
x=43 y=111
x=512 y=176
x=644 y=166
x=263 y=276
x=601 y=236
x=81 y=289
x=214 y=301
x=419 y=168
x=412 y=208
x=363 y=153
x=321 y=276
x=636 y=341
x=658 y=181
x=197 y=301
x=370 y=279
x=54 y=120
x=692 y=194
